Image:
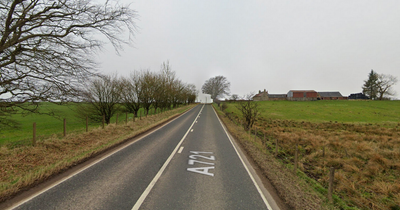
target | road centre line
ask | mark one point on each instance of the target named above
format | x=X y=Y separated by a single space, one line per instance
x=159 y=173
x=247 y=169
x=86 y=167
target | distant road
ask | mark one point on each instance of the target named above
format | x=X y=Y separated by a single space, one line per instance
x=190 y=163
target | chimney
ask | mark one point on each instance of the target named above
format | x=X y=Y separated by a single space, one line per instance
x=259 y=91
x=265 y=91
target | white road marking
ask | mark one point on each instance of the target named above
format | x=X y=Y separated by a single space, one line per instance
x=247 y=169
x=191 y=130
x=202 y=170
x=180 y=150
x=191 y=162
x=88 y=166
x=158 y=175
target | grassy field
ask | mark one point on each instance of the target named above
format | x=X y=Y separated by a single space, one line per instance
x=47 y=125
x=360 y=139
x=326 y=111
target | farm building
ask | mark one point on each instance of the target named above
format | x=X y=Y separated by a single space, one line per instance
x=302 y=95
x=261 y=96
x=265 y=96
x=277 y=97
x=358 y=96
x=330 y=96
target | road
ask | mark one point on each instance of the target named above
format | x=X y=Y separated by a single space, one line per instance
x=190 y=163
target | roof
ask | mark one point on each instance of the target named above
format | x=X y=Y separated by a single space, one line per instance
x=330 y=94
x=302 y=91
x=260 y=94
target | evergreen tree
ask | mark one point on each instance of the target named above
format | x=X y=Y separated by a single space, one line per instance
x=370 y=87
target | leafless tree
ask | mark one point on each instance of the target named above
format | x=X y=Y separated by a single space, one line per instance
x=384 y=85
x=46 y=46
x=168 y=78
x=216 y=86
x=234 y=97
x=131 y=93
x=102 y=96
x=249 y=110
x=147 y=81
x=191 y=93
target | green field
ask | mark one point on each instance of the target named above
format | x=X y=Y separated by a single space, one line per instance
x=47 y=125
x=326 y=111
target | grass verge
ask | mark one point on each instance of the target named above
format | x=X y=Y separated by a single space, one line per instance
x=22 y=166
x=298 y=191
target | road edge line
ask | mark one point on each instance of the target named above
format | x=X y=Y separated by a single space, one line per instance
x=18 y=204
x=245 y=166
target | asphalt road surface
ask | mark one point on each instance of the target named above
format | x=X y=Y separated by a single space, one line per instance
x=190 y=163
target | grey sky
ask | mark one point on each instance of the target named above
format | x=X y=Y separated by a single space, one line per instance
x=274 y=45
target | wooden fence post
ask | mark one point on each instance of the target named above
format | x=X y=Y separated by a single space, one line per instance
x=255 y=133
x=295 y=157
x=116 y=121
x=65 y=127
x=140 y=115
x=126 y=117
x=87 y=123
x=34 y=134
x=331 y=179
x=104 y=119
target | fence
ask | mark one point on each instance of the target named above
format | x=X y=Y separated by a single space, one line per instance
x=139 y=115
x=280 y=149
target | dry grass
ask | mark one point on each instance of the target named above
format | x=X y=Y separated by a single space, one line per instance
x=293 y=190
x=366 y=157
x=25 y=166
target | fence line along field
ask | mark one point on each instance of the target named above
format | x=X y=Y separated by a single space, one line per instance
x=360 y=139
x=47 y=125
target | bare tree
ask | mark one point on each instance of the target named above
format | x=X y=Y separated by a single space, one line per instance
x=147 y=83
x=384 y=85
x=131 y=93
x=46 y=46
x=249 y=110
x=169 y=79
x=216 y=86
x=234 y=97
x=102 y=97
x=191 y=93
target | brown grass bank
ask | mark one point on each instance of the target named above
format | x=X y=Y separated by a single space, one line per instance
x=366 y=159
x=22 y=167
x=293 y=190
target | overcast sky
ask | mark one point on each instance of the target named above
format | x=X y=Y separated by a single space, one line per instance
x=275 y=45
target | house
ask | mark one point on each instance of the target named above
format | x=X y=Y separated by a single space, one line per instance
x=261 y=96
x=302 y=95
x=277 y=97
x=330 y=96
x=358 y=96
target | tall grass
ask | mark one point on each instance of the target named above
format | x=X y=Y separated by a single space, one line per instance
x=363 y=147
